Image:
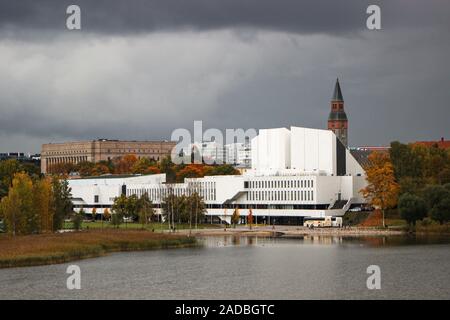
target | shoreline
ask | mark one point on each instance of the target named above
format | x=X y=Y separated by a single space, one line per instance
x=47 y=249
x=292 y=231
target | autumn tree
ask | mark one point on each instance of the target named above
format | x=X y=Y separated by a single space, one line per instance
x=17 y=207
x=93 y=214
x=235 y=217
x=145 y=166
x=250 y=218
x=382 y=189
x=8 y=168
x=99 y=169
x=123 y=165
x=190 y=171
x=63 y=168
x=43 y=204
x=106 y=215
x=85 y=168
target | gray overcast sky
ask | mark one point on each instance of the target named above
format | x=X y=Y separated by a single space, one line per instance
x=140 y=69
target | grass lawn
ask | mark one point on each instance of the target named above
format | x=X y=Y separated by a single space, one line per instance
x=53 y=248
x=155 y=226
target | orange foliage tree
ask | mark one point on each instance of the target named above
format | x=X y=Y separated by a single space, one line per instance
x=382 y=189
x=125 y=163
x=191 y=171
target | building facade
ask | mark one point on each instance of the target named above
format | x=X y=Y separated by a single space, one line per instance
x=337 y=120
x=102 y=149
x=296 y=173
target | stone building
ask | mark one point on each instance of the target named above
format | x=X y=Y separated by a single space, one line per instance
x=102 y=149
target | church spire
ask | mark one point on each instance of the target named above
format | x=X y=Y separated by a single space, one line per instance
x=337 y=95
x=337 y=119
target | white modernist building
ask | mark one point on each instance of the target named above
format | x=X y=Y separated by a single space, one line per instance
x=295 y=173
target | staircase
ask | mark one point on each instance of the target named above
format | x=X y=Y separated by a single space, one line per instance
x=339 y=204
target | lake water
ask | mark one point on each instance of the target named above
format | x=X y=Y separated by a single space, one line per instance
x=251 y=268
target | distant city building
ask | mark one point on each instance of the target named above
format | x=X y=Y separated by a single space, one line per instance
x=209 y=152
x=337 y=120
x=239 y=154
x=212 y=152
x=442 y=143
x=20 y=156
x=101 y=149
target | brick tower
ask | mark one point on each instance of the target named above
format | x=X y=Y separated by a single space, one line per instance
x=337 y=120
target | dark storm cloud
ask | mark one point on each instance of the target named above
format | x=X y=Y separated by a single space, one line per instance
x=139 y=69
x=310 y=16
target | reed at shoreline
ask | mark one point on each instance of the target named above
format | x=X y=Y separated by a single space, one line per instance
x=44 y=249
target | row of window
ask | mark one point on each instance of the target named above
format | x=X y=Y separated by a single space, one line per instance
x=271 y=184
x=69 y=152
x=135 y=151
x=281 y=195
x=156 y=194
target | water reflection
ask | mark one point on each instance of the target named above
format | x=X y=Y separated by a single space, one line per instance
x=369 y=241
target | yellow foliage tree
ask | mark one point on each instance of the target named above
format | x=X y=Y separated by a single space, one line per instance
x=17 y=207
x=382 y=189
x=43 y=204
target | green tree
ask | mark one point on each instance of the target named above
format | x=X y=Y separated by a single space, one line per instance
x=142 y=165
x=433 y=194
x=447 y=186
x=116 y=219
x=132 y=207
x=197 y=204
x=85 y=168
x=441 y=211
x=77 y=219
x=167 y=166
x=8 y=168
x=145 y=209
x=221 y=170
x=62 y=202
x=118 y=209
x=412 y=208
